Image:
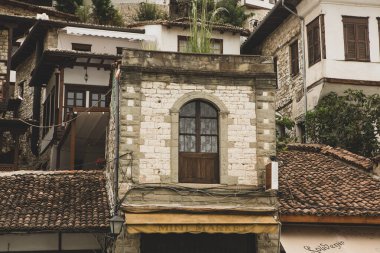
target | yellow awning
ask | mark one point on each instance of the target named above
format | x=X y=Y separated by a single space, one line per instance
x=199 y=223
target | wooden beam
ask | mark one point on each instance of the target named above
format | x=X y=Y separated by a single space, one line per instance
x=72 y=144
x=365 y=220
x=61 y=95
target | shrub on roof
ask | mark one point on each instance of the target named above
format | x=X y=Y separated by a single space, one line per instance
x=351 y=121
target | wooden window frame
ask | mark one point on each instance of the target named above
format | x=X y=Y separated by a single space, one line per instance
x=76 y=89
x=378 y=28
x=187 y=38
x=314 y=41
x=294 y=58
x=181 y=38
x=81 y=47
x=99 y=92
x=119 y=50
x=198 y=153
x=49 y=112
x=221 y=44
x=356 y=22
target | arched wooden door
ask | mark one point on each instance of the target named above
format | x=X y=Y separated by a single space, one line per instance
x=198 y=143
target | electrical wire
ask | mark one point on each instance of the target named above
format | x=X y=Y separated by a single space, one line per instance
x=70 y=120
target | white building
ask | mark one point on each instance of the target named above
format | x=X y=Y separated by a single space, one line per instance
x=341 y=42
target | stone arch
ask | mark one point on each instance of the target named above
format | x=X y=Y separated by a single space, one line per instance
x=223 y=134
x=199 y=95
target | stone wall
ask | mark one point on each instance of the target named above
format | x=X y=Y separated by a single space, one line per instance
x=148 y=101
x=3 y=56
x=154 y=86
x=23 y=74
x=290 y=88
x=129 y=10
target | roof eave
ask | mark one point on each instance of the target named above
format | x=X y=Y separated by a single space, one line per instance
x=313 y=219
x=276 y=16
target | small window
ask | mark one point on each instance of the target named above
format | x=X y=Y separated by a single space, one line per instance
x=217 y=46
x=294 y=58
x=20 y=87
x=81 y=47
x=183 y=44
x=75 y=98
x=119 y=50
x=314 y=42
x=356 y=41
x=98 y=99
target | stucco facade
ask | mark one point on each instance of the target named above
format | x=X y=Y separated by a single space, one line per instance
x=332 y=72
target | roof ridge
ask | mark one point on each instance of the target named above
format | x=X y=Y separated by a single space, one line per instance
x=44 y=173
x=337 y=153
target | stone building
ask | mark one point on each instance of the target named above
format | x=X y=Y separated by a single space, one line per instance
x=12 y=28
x=63 y=79
x=196 y=132
x=335 y=58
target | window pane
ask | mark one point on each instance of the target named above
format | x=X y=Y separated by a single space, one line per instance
x=188 y=110
x=187 y=126
x=70 y=102
x=102 y=104
x=187 y=143
x=208 y=111
x=79 y=95
x=70 y=94
x=79 y=102
x=209 y=126
x=94 y=96
x=209 y=144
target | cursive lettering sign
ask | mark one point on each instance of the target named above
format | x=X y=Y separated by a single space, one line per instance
x=324 y=247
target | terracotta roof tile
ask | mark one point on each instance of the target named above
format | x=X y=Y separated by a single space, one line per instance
x=186 y=22
x=320 y=180
x=60 y=201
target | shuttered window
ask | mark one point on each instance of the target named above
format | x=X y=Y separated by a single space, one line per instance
x=356 y=41
x=294 y=59
x=314 y=42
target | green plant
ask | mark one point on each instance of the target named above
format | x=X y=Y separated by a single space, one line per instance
x=284 y=126
x=84 y=13
x=201 y=27
x=235 y=14
x=68 y=6
x=351 y=121
x=148 y=11
x=104 y=13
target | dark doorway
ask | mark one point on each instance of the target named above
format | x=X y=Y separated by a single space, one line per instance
x=198 y=243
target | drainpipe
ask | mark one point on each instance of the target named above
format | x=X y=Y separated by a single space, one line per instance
x=117 y=133
x=302 y=20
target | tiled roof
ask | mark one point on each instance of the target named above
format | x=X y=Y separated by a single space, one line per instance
x=71 y=201
x=186 y=22
x=319 y=180
x=39 y=9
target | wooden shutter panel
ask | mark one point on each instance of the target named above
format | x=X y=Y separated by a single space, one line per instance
x=362 y=42
x=310 y=46
x=349 y=39
x=356 y=39
x=317 y=45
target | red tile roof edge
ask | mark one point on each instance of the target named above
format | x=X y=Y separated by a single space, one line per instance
x=337 y=153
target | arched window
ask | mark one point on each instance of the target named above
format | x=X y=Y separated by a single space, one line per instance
x=198 y=143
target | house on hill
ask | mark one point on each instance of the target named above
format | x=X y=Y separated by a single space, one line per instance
x=194 y=141
x=319 y=47
x=329 y=200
